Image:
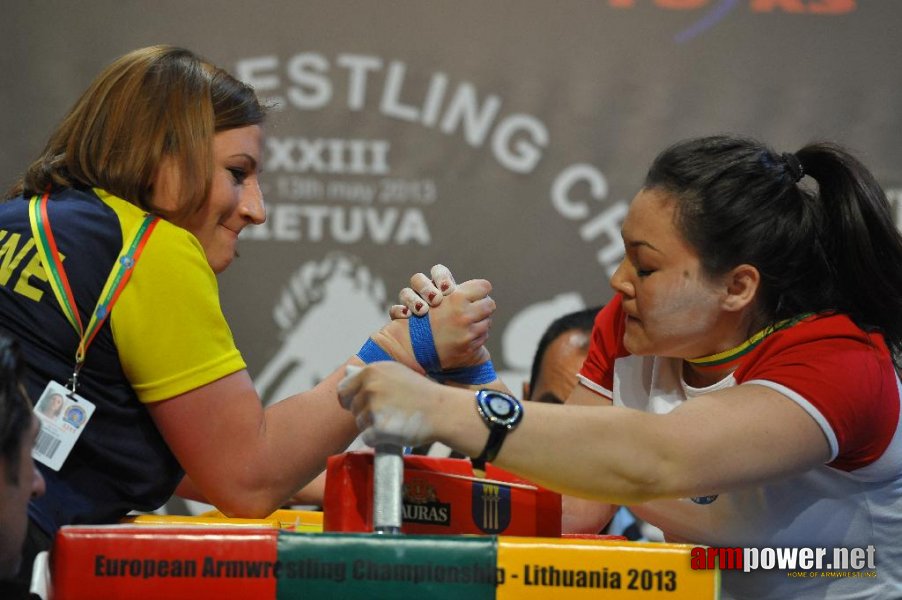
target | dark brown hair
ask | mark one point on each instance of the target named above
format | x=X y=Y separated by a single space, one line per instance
x=15 y=408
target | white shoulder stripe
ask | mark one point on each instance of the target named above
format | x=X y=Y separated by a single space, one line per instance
x=598 y=389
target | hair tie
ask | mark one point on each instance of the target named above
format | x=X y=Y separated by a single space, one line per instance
x=793 y=166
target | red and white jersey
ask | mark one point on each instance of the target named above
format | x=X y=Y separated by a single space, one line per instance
x=844 y=379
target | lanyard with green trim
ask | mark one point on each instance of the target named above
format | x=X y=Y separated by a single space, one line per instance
x=132 y=246
x=723 y=359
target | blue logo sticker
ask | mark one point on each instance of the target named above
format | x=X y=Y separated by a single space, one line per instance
x=74 y=416
x=491 y=507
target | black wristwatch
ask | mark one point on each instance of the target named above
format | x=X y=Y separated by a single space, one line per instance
x=501 y=413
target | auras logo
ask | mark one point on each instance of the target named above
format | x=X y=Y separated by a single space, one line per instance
x=712 y=12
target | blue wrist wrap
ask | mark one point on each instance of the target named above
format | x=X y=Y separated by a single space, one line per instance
x=423 y=344
x=475 y=375
x=372 y=352
x=426 y=354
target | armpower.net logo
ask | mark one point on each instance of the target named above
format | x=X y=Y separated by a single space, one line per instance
x=711 y=12
x=796 y=562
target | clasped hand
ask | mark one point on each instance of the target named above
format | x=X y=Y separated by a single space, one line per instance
x=460 y=317
x=391 y=403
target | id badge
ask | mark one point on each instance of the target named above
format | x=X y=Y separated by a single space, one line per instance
x=63 y=416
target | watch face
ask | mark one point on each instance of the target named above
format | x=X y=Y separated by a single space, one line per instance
x=501 y=406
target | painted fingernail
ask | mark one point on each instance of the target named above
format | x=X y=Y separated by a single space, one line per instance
x=418 y=306
x=445 y=287
x=431 y=296
x=405 y=310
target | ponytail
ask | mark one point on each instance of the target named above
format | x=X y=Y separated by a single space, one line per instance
x=861 y=240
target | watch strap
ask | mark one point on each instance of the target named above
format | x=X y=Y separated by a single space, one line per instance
x=497 y=431
x=492 y=446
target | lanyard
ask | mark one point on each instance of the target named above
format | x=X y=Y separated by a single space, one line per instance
x=721 y=359
x=132 y=246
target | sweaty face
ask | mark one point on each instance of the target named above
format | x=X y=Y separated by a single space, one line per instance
x=14 y=499
x=235 y=199
x=562 y=361
x=672 y=308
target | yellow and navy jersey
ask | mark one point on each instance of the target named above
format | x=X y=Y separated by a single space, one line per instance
x=166 y=335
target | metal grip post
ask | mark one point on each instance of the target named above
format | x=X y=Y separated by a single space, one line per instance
x=388 y=481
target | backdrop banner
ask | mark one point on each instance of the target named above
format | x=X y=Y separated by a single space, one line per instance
x=503 y=139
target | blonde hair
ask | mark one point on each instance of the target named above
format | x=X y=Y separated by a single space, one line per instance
x=150 y=103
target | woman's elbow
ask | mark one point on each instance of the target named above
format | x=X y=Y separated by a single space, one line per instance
x=659 y=478
x=247 y=506
x=246 y=501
